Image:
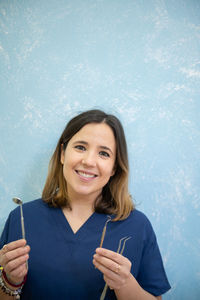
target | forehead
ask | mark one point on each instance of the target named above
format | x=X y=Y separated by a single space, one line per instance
x=96 y=132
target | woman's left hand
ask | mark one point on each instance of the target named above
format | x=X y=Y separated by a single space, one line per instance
x=114 y=266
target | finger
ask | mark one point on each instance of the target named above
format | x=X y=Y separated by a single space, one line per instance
x=16 y=263
x=113 y=280
x=107 y=263
x=20 y=272
x=16 y=253
x=13 y=245
x=3 y=250
x=110 y=254
x=105 y=270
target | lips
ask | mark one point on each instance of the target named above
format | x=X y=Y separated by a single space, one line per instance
x=85 y=174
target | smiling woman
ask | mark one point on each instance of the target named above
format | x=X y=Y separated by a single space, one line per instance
x=87 y=167
x=85 y=205
x=92 y=135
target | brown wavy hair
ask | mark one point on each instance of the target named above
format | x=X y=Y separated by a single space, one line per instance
x=115 y=198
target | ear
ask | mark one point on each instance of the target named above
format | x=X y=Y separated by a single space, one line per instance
x=113 y=171
x=62 y=155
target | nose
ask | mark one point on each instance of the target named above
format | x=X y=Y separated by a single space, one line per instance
x=89 y=159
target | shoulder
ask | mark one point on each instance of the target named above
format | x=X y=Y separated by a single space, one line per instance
x=36 y=214
x=30 y=207
x=136 y=216
x=137 y=223
x=35 y=204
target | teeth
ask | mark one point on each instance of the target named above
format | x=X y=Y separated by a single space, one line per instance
x=86 y=175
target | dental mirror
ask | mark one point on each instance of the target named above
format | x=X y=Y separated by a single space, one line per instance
x=19 y=202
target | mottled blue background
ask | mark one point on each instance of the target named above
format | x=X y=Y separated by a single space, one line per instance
x=137 y=59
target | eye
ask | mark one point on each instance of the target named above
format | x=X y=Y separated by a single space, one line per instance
x=104 y=153
x=80 y=147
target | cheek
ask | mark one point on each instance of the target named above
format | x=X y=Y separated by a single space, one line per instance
x=109 y=170
x=66 y=167
x=67 y=172
x=71 y=161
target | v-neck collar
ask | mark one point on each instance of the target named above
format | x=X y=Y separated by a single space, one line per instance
x=80 y=228
x=87 y=227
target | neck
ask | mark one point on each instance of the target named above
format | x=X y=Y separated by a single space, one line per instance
x=78 y=214
x=81 y=208
x=82 y=202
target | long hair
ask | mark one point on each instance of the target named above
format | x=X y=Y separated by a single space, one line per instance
x=115 y=198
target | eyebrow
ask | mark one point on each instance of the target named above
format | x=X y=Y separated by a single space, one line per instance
x=102 y=147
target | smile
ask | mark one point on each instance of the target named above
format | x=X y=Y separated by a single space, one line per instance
x=86 y=175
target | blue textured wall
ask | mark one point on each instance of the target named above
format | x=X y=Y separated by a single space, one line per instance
x=138 y=59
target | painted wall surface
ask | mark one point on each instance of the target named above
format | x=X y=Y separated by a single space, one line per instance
x=137 y=59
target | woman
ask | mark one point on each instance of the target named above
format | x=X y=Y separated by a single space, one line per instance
x=85 y=205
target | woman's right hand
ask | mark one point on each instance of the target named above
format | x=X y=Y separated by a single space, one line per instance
x=13 y=259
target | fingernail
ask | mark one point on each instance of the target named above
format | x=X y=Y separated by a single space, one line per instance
x=98 y=250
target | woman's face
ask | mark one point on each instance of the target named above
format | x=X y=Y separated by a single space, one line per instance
x=89 y=160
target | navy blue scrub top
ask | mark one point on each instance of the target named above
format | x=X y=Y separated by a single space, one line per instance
x=60 y=263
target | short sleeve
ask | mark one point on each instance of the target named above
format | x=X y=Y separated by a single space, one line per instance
x=152 y=276
x=4 y=235
x=11 y=231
